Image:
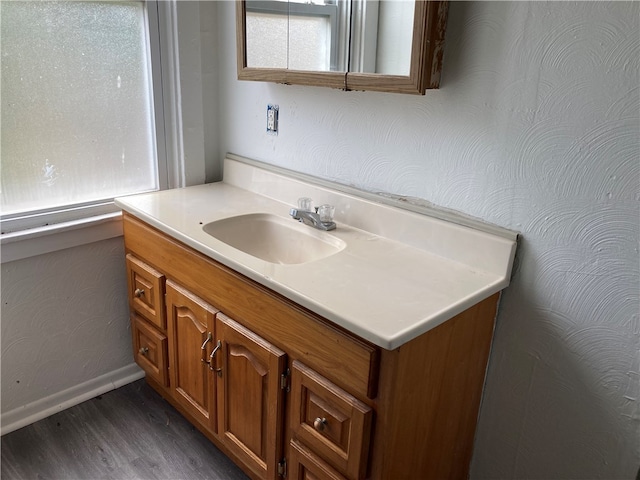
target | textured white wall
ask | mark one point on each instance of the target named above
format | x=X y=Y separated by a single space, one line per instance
x=64 y=322
x=535 y=128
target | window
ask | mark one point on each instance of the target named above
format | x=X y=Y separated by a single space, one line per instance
x=78 y=114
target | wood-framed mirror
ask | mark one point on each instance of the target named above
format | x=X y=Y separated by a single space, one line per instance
x=376 y=45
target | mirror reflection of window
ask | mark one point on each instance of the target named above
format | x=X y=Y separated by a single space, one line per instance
x=370 y=36
x=293 y=35
x=297 y=43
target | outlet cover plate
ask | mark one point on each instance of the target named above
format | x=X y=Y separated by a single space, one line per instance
x=272 y=119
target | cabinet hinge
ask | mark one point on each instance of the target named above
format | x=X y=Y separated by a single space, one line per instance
x=284 y=380
x=282 y=468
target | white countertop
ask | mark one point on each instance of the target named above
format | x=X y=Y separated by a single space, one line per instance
x=401 y=273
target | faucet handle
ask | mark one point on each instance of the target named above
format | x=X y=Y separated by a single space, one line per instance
x=305 y=204
x=326 y=212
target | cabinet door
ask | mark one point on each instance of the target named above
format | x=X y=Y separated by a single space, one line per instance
x=190 y=323
x=250 y=399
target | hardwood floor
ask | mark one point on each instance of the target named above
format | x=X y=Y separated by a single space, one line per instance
x=128 y=433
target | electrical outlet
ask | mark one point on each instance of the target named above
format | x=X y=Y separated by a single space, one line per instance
x=272 y=119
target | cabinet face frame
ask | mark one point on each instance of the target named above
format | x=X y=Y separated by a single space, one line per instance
x=429 y=25
x=191 y=331
x=249 y=390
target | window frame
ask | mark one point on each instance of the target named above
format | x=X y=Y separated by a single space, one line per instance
x=34 y=223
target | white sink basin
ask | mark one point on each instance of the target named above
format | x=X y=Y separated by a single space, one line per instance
x=274 y=239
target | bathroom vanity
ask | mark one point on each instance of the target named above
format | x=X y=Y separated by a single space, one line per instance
x=367 y=361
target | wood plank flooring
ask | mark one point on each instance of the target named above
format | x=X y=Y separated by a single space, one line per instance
x=128 y=433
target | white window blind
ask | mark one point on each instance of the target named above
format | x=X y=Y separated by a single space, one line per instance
x=77 y=109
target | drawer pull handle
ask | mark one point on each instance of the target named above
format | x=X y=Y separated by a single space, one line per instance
x=319 y=424
x=143 y=350
x=138 y=293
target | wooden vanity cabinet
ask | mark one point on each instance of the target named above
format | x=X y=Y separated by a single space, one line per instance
x=287 y=394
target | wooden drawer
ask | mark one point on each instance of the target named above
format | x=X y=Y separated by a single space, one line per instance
x=146 y=291
x=332 y=423
x=305 y=465
x=150 y=349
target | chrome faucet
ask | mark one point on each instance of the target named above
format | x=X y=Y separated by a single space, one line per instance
x=313 y=219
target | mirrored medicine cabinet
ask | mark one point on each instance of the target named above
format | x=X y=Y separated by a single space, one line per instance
x=379 y=45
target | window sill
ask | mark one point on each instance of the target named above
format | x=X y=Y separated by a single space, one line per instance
x=51 y=238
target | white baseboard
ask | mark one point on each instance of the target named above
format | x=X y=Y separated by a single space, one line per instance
x=32 y=412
